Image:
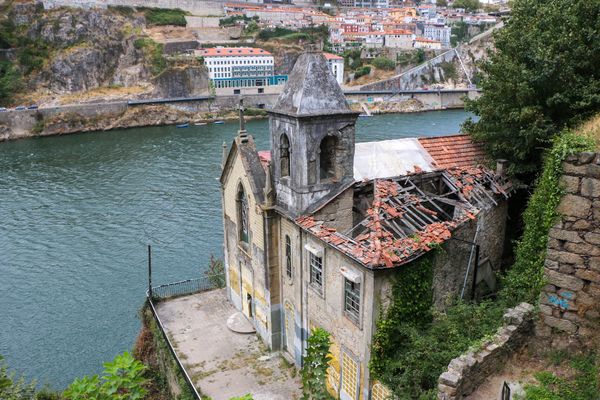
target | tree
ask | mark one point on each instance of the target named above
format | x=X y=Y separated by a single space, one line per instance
x=543 y=76
x=469 y=5
x=441 y=3
x=315 y=364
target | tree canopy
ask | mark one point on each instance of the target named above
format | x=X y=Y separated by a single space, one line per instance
x=469 y=5
x=542 y=77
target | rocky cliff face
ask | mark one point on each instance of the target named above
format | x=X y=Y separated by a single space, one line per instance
x=181 y=81
x=90 y=48
x=83 y=50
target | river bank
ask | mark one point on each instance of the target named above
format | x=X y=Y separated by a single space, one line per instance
x=97 y=117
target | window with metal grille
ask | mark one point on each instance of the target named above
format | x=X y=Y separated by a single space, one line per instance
x=352 y=299
x=316 y=271
x=243 y=215
x=288 y=256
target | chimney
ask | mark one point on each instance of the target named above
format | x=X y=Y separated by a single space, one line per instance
x=501 y=166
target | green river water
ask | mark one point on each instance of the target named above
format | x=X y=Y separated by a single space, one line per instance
x=76 y=215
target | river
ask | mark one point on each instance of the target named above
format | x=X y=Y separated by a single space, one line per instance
x=77 y=212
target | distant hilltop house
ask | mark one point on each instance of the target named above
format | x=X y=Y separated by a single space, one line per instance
x=318 y=228
x=336 y=65
x=424 y=43
x=240 y=70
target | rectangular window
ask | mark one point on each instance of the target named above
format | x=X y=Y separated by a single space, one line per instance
x=349 y=389
x=352 y=299
x=316 y=271
x=288 y=256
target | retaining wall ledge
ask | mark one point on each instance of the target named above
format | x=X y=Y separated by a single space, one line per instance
x=467 y=372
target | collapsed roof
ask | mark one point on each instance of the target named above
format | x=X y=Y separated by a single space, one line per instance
x=407 y=216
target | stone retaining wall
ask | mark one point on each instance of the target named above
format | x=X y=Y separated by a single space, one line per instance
x=570 y=302
x=467 y=372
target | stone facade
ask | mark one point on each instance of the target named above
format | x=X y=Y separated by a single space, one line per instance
x=467 y=372
x=570 y=302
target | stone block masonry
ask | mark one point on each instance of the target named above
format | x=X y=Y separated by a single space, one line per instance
x=570 y=301
x=467 y=372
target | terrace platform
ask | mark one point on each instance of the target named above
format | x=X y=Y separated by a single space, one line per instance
x=221 y=363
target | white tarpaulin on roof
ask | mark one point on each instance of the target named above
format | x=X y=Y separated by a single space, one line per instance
x=390 y=158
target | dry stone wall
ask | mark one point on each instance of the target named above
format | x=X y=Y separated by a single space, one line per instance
x=570 y=302
x=467 y=372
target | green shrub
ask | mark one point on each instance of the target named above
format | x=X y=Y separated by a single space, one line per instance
x=362 y=71
x=164 y=16
x=315 y=364
x=122 y=380
x=383 y=63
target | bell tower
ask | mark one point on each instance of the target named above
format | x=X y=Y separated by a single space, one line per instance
x=312 y=136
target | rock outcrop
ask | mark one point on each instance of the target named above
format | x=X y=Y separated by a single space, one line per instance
x=88 y=49
x=181 y=82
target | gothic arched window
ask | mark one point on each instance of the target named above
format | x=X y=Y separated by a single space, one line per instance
x=327 y=157
x=284 y=152
x=243 y=225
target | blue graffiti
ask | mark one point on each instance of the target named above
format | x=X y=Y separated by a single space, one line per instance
x=567 y=295
x=562 y=303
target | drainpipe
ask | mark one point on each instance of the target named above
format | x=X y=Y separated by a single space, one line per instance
x=303 y=321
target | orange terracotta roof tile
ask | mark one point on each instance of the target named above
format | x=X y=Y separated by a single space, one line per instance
x=453 y=151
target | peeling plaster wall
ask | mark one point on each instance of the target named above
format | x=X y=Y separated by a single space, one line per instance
x=327 y=310
x=245 y=264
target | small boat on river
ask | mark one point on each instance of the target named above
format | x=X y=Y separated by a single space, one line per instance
x=182 y=125
x=219 y=122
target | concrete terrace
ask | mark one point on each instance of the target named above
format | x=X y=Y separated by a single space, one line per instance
x=222 y=363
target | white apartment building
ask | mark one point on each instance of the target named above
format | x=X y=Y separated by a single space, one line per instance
x=240 y=67
x=336 y=64
x=438 y=32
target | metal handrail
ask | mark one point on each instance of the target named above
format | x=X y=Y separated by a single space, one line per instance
x=174 y=289
x=187 y=378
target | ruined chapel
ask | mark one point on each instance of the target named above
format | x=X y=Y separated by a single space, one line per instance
x=318 y=227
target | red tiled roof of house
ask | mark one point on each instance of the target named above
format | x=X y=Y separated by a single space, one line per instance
x=233 y=51
x=329 y=56
x=453 y=151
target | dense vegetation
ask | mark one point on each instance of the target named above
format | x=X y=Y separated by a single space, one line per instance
x=313 y=34
x=29 y=56
x=543 y=77
x=413 y=343
x=383 y=63
x=468 y=5
x=164 y=16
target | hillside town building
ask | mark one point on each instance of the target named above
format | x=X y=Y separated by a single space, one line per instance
x=318 y=227
x=336 y=64
x=240 y=67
